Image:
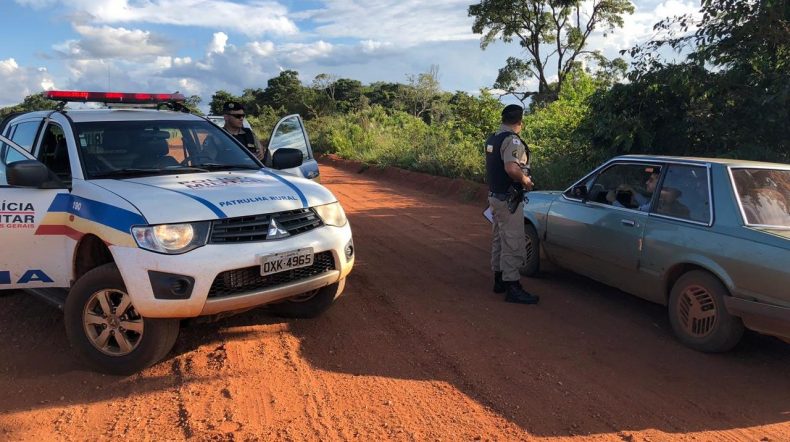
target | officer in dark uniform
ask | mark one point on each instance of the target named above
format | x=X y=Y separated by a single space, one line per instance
x=507 y=166
x=234 y=125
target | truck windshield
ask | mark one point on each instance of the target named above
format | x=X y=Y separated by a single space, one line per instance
x=764 y=195
x=110 y=148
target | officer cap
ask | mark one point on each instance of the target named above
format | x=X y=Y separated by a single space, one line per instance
x=512 y=114
x=231 y=106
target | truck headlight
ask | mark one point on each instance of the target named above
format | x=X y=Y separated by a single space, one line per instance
x=171 y=239
x=331 y=214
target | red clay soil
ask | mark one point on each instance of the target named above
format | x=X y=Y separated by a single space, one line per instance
x=417 y=349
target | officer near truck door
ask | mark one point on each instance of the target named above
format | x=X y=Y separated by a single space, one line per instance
x=507 y=159
x=234 y=124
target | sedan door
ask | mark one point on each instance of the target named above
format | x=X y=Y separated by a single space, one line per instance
x=601 y=236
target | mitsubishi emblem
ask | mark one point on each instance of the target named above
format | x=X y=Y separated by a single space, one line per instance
x=276 y=231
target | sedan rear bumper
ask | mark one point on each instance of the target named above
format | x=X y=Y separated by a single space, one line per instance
x=764 y=318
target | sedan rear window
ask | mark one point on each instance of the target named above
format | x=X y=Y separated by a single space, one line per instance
x=764 y=195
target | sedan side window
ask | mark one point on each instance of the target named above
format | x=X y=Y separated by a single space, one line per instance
x=630 y=186
x=685 y=194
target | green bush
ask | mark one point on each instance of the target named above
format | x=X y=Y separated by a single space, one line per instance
x=398 y=139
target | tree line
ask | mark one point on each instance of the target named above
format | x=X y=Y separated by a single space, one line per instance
x=725 y=92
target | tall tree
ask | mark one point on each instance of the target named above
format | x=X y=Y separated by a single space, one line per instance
x=192 y=103
x=33 y=102
x=218 y=100
x=553 y=33
x=285 y=91
x=423 y=92
x=736 y=72
x=348 y=95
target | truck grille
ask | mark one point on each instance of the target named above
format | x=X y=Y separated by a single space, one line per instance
x=255 y=227
x=247 y=279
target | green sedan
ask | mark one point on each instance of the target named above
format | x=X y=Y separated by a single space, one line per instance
x=708 y=238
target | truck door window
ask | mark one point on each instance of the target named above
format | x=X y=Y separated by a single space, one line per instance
x=8 y=155
x=54 y=152
x=24 y=134
x=289 y=134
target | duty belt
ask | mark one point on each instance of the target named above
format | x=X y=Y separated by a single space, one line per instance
x=499 y=196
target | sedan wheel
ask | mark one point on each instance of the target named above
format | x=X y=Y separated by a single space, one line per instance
x=698 y=315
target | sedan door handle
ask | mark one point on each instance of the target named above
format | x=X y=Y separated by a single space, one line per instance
x=628 y=222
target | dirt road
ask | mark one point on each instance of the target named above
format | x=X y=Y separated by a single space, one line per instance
x=417 y=349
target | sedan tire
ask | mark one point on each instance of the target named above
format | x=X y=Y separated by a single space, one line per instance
x=532 y=262
x=698 y=315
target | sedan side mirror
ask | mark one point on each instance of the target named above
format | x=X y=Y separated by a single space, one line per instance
x=28 y=173
x=580 y=191
x=286 y=158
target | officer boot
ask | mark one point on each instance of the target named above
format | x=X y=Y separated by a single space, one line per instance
x=499 y=285
x=517 y=294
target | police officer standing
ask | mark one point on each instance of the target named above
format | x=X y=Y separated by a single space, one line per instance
x=234 y=125
x=507 y=159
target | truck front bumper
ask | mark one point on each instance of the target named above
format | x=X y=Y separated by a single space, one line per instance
x=222 y=265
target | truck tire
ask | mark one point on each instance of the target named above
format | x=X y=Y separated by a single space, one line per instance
x=310 y=304
x=532 y=262
x=698 y=315
x=104 y=328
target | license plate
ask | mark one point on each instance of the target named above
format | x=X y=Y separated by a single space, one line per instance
x=280 y=262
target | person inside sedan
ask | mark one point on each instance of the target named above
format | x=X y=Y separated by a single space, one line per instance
x=626 y=196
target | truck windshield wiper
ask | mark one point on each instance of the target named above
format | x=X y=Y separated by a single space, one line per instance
x=218 y=166
x=141 y=171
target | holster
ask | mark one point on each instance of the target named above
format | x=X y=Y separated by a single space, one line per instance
x=515 y=195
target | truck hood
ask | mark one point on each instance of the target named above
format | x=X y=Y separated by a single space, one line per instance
x=214 y=195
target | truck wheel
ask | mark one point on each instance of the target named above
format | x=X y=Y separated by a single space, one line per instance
x=532 y=263
x=104 y=328
x=311 y=304
x=698 y=315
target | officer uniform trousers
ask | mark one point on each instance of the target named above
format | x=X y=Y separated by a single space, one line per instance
x=509 y=245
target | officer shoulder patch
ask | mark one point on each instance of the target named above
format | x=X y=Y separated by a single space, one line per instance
x=489 y=148
x=516 y=141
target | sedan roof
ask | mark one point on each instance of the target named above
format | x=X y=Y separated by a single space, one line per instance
x=723 y=161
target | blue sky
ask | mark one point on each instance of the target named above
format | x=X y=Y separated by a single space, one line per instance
x=200 y=46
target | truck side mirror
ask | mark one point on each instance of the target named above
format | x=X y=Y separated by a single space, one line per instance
x=28 y=173
x=286 y=158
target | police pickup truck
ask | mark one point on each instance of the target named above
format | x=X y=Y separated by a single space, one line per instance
x=133 y=219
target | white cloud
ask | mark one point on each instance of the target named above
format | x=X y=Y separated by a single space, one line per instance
x=299 y=52
x=20 y=81
x=108 y=42
x=371 y=46
x=261 y=48
x=8 y=67
x=218 y=43
x=638 y=27
x=256 y=18
x=402 y=22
